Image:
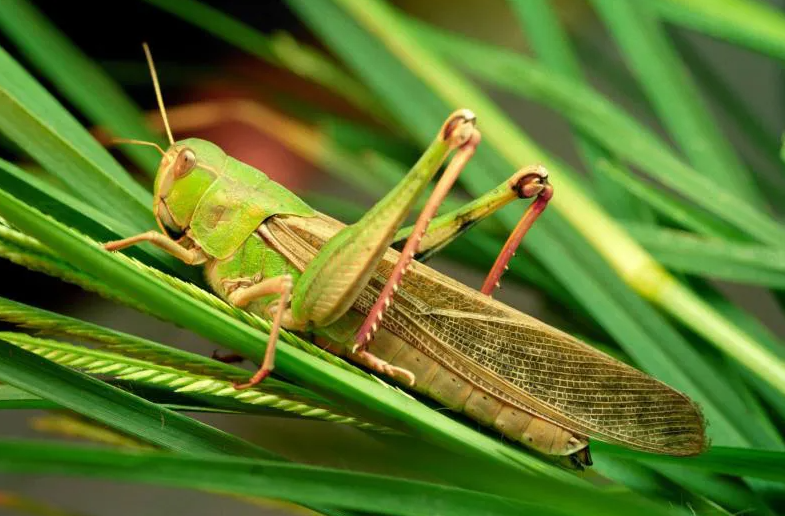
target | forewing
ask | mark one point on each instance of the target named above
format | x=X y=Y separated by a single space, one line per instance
x=522 y=360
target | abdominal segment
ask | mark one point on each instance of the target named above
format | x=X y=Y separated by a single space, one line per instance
x=456 y=393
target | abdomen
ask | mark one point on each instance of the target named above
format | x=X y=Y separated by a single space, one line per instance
x=456 y=393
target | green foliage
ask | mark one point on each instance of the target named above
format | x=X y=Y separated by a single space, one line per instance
x=79 y=79
x=613 y=263
x=304 y=484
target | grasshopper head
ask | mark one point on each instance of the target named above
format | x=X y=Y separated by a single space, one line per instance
x=187 y=169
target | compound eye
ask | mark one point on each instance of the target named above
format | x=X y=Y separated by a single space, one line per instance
x=184 y=163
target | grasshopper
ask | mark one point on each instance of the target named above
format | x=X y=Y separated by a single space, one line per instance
x=265 y=250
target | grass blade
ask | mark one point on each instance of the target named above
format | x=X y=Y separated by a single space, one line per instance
x=78 y=79
x=12 y=398
x=132 y=358
x=750 y=23
x=307 y=484
x=713 y=258
x=116 y=408
x=80 y=215
x=735 y=106
x=28 y=252
x=550 y=42
x=729 y=461
x=674 y=95
x=670 y=207
x=601 y=119
x=279 y=50
x=38 y=124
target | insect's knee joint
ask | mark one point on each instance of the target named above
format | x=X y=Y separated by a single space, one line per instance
x=460 y=127
x=531 y=182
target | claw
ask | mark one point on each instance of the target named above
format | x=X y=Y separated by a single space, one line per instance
x=459 y=128
x=255 y=380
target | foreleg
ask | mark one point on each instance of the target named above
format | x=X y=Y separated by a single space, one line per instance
x=192 y=256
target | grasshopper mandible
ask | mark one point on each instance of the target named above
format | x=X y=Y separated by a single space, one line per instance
x=265 y=250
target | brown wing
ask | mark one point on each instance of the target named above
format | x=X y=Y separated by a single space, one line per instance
x=516 y=357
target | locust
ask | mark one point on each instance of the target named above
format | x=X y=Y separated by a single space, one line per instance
x=265 y=250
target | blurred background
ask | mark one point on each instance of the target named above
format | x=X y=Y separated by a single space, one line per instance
x=198 y=69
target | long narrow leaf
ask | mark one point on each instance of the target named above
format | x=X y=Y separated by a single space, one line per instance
x=80 y=80
x=116 y=408
x=308 y=484
x=80 y=215
x=735 y=104
x=729 y=461
x=13 y=398
x=713 y=258
x=214 y=388
x=605 y=122
x=752 y=23
x=550 y=42
x=38 y=124
x=670 y=207
x=674 y=95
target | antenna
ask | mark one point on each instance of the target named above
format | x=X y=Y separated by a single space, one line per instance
x=158 y=95
x=120 y=141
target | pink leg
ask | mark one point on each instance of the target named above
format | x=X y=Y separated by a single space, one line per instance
x=450 y=175
x=534 y=184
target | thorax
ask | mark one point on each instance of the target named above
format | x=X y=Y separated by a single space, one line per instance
x=253 y=261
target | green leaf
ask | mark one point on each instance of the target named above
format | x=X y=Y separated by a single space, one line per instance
x=674 y=95
x=754 y=327
x=13 y=398
x=311 y=485
x=713 y=258
x=116 y=408
x=671 y=207
x=38 y=124
x=751 y=23
x=187 y=379
x=80 y=215
x=606 y=123
x=729 y=461
x=280 y=50
x=723 y=495
x=79 y=79
x=750 y=124
x=550 y=42
x=28 y=252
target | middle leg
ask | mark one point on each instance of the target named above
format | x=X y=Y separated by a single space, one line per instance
x=242 y=296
